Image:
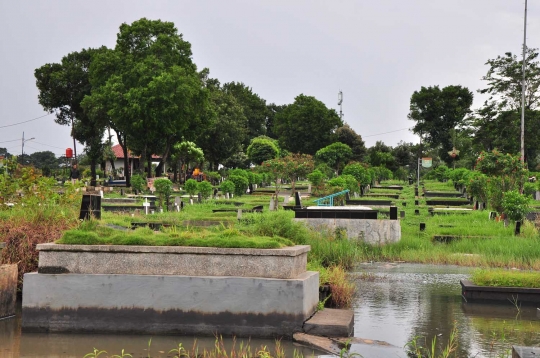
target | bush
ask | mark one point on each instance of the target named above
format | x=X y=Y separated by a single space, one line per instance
x=316 y=178
x=191 y=186
x=241 y=184
x=459 y=176
x=529 y=189
x=515 y=205
x=362 y=174
x=227 y=187
x=440 y=173
x=382 y=173
x=205 y=188
x=138 y=182
x=164 y=189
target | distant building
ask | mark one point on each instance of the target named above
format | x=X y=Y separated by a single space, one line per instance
x=134 y=161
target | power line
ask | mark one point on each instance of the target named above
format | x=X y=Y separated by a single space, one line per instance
x=47 y=145
x=30 y=120
x=7 y=141
x=397 y=130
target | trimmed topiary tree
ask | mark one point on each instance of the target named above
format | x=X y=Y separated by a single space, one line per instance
x=191 y=186
x=205 y=188
x=164 y=189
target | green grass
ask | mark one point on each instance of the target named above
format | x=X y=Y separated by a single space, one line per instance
x=505 y=278
x=93 y=234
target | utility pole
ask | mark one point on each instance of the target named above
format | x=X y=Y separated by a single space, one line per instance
x=22 y=150
x=340 y=101
x=523 y=87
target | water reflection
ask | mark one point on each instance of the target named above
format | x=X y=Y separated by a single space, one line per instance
x=404 y=301
x=13 y=344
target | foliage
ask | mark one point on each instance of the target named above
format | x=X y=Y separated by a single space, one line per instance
x=164 y=189
x=261 y=149
x=342 y=289
x=290 y=167
x=515 y=205
x=459 y=175
x=227 y=186
x=185 y=153
x=241 y=184
x=344 y=182
x=335 y=155
x=191 y=186
x=316 y=178
x=360 y=172
x=205 y=188
x=477 y=186
x=348 y=136
x=381 y=173
x=306 y=125
x=326 y=170
x=438 y=111
x=138 y=182
x=440 y=173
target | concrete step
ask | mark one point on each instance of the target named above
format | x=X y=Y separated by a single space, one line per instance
x=331 y=322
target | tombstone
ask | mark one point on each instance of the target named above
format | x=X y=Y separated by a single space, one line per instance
x=309 y=188
x=250 y=188
x=537 y=195
x=404 y=203
x=297 y=201
x=517 y=229
x=146 y=205
x=122 y=191
x=272 y=208
x=347 y=196
x=416 y=212
x=416 y=191
x=215 y=193
x=492 y=215
x=286 y=200
x=356 y=194
x=101 y=194
x=239 y=214
x=402 y=214
x=227 y=196
x=475 y=207
x=199 y=198
x=416 y=202
x=190 y=201
x=181 y=205
x=90 y=207
x=422 y=226
x=362 y=190
x=393 y=213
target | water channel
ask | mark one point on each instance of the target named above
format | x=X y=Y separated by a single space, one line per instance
x=395 y=304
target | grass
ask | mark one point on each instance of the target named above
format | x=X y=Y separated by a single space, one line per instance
x=90 y=233
x=505 y=278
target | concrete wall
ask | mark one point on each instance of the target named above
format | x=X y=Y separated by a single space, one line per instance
x=374 y=232
x=241 y=306
x=288 y=262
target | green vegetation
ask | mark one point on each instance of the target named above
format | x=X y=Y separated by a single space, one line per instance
x=505 y=278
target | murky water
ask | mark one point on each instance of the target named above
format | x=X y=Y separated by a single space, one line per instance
x=398 y=302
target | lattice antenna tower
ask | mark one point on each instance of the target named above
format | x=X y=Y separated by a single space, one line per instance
x=340 y=101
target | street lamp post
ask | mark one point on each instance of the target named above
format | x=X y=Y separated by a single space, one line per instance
x=22 y=151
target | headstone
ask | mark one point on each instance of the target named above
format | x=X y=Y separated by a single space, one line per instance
x=227 y=196
x=101 y=193
x=422 y=226
x=393 y=213
x=190 y=201
x=347 y=196
x=239 y=214
x=415 y=191
x=297 y=201
x=309 y=188
x=199 y=198
x=537 y=195
x=492 y=215
x=416 y=212
x=215 y=193
x=122 y=191
x=250 y=188
x=416 y=202
x=286 y=200
x=402 y=214
x=404 y=203
x=271 y=207
x=181 y=205
x=146 y=205
x=90 y=207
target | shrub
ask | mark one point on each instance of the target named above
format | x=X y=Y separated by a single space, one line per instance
x=359 y=172
x=164 y=189
x=440 y=173
x=227 y=187
x=344 y=182
x=205 y=188
x=477 y=186
x=382 y=173
x=459 y=176
x=191 y=187
x=515 y=205
x=138 y=182
x=341 y=288
x=241 y=184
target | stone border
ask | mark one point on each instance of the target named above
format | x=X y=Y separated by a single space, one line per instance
x=473 y=293
x=286 y=263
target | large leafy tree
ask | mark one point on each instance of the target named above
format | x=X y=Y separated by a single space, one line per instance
x=225 y=124
x=253 y=106
x=149 y=87
x=437 y=112
x=335 y=155
x=271 y=112
x=306 y=125
x=62 y=88
x=45 y=159
x=261 y=149
x=498 y=122
x=347 y=135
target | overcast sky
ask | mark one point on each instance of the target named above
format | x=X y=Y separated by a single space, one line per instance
x=377 y=52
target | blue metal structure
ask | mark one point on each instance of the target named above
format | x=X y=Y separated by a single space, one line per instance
x=329 y=200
